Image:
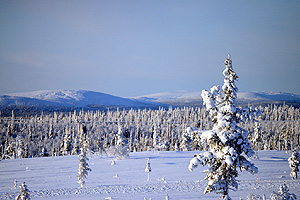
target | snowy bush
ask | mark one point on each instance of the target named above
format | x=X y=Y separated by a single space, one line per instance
x=255 y=197
x=228 y=143
x=24 y=194
x=119 y=152
x=283 y=194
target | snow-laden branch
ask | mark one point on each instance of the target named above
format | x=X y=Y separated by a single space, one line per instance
x=246 y=165
x=200 y=159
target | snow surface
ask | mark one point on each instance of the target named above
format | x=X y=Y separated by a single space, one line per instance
x=55 y=177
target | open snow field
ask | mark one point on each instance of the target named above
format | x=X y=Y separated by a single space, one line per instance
x=56 y=177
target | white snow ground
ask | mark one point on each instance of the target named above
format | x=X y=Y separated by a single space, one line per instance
x=55 y=177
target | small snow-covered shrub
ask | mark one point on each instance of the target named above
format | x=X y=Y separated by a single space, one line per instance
x=24 y=194
x=119 y=152
x=283 y=194
x=254 y=197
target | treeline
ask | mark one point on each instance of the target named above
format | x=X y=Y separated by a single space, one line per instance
x=58 y=133
x=33 y=110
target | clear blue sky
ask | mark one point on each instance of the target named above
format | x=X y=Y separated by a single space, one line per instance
x=135 y=47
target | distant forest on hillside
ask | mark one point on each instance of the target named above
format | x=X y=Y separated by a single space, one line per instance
x=31 y=111
x=58 y=133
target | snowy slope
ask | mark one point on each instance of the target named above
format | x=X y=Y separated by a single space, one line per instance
x=55 y=177
x=268 y=96
x=67 y=98
x=7 y=100
x=169 y=96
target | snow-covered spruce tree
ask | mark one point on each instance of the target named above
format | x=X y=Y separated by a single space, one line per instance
x=84 y=139
x=76 y=148
x=9 y=151
x=44 y=152
x=156 y=136
x=148 y=169
x=228 y=142
x=68 y=144
x=159 y=143
x=196 y=139
x=120 y=150
x=186 y=141
x=100 y=146
x=122 y=144
x=121 y=140
x=24 y=194
x=51 y=132
x=167 y=197
x=83 y=167
x=26 y=151
x=15 y=184
x=294 y=161
x=257 y=139
x=20 y=147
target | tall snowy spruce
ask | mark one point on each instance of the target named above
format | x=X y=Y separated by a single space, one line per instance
x=228 y=143
x=294 y=162
x=83 y=167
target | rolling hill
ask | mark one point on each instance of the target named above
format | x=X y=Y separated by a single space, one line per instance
x=186 y=98
x=66 y=100
x=69 y=99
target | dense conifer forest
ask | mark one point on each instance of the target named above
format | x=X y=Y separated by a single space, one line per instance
x=172 y=129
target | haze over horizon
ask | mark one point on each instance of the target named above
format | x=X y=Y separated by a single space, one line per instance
x=135 y=48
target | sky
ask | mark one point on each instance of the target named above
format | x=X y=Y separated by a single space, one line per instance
x=136 y=47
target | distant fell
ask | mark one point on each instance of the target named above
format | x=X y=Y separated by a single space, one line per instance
x=187 y=98
x=67 y=100
x=76 y=98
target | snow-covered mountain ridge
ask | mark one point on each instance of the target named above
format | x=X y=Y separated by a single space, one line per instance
x=69 y=98
x=85 y=98
x=242 y=96
x=169 y=96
